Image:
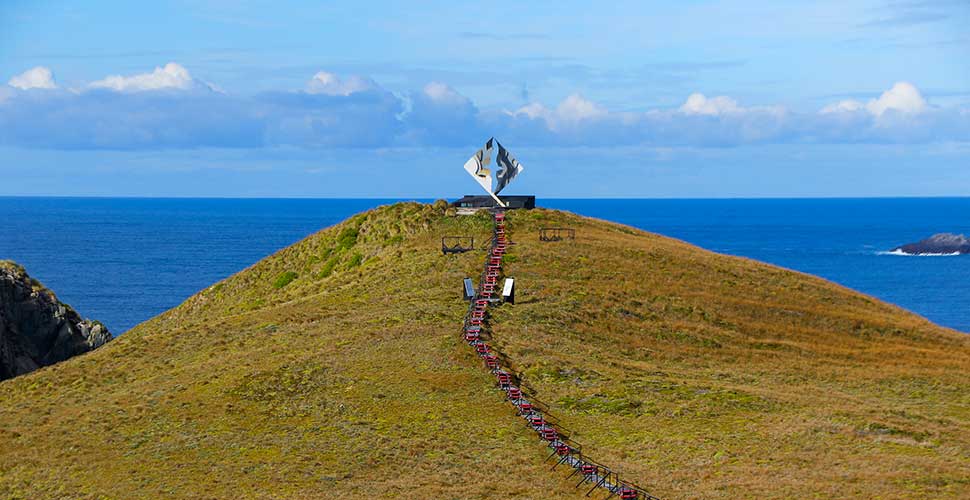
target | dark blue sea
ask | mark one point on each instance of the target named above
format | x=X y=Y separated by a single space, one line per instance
x=123 y=260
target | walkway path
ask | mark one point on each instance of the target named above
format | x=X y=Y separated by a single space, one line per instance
x=534 y=412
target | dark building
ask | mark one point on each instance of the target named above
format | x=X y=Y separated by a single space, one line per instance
x=485 y=201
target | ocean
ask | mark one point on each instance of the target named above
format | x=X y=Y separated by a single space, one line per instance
x=125 y=260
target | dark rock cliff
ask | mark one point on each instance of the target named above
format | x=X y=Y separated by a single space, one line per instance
x=35 y=328
x=943 y=243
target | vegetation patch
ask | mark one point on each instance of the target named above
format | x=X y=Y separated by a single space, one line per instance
x=284 y=392
x=284 y=279
x=880 y=429
x=355 y=261
x=601 y=404
x=549 y=373
x=328 y=267
x=347 y=238
x=269 y=327
x=682 y=337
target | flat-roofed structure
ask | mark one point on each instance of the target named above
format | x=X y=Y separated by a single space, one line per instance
x=474 y=202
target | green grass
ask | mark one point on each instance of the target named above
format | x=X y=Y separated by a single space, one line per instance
x=355 y=260
x=347 y=238
x=696 y=374
x=285 y=279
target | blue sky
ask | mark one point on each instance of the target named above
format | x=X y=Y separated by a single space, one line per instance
x=388 y=99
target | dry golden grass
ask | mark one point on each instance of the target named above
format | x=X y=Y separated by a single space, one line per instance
x=334 y=369
x=708 y=376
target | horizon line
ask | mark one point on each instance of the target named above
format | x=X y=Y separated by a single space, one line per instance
x=424 y=198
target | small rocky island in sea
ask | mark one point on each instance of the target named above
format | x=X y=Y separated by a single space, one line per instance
x=938 y=244
x=36 y=329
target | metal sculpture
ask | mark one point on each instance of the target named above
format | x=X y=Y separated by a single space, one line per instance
x=509 y=168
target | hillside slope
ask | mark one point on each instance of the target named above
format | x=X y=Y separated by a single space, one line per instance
x=334 y=368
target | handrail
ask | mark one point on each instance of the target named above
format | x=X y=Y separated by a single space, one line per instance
x=528 y=406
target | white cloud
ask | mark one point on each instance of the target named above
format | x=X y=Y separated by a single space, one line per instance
x=844 y=106
x=171 y=76
x=903 y=97
x=356 y=112
x=34 y=78
x=330 y=84
x=438 y=113
x=443 y=94
x=699 y=104
x=532 y=110
x=576 y=108
x=573 y=110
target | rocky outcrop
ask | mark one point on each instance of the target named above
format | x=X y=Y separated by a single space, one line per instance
x=36 y=329
x=938 y=244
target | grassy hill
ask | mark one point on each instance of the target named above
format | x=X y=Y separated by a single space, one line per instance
x=334 y=368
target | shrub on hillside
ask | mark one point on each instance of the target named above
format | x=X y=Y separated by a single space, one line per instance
x=284 y=279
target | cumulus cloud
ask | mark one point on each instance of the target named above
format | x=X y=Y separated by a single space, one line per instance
x=532 y=110
x=170 y=76
x=121 y=112
x=699 y=104
x=443 y=94
x=331 y=84
x=162 y=109
x=128 y=121
x=571 y=112
x=903 y=97
x=440 y=114
x=844 y=106
x=359 y=119
x=576 y=108
x=34 y=78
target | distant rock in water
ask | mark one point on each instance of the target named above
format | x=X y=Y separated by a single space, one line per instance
x=938 y=244
x=36 y=329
